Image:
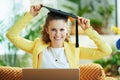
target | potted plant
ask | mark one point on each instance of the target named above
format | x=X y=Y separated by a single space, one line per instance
x=97 y=25
x=106 y=12
x=111 y=64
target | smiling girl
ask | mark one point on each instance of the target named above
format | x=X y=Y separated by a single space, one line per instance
x=54 y=49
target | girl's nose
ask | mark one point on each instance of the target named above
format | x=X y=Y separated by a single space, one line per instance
x=57 y=33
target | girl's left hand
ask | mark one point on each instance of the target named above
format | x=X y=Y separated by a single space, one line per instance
x=84 y=23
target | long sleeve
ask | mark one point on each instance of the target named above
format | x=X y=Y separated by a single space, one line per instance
x=18 y=41
x=102 y=50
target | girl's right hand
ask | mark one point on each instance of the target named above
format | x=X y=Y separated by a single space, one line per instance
x=34 y=9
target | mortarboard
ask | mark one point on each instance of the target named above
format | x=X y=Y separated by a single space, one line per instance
x=69 y=15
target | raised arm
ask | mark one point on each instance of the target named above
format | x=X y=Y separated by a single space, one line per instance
x=102 y=50
x=13 y=33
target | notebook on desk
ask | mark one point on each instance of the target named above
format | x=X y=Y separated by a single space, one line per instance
x=51 y=74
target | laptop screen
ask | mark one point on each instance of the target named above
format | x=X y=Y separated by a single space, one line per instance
x=51 y=74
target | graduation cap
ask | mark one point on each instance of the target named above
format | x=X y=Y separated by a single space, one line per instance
x=68 y=15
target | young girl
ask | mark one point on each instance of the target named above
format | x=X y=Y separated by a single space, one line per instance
x=54 y=50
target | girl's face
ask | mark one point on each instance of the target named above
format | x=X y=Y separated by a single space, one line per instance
x=57 y=30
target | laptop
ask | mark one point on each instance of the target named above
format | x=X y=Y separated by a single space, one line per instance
x=51 y=74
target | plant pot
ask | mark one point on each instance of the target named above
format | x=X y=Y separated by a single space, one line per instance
x=99 y=30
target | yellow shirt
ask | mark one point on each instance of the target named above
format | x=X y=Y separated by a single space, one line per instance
x=73 y=54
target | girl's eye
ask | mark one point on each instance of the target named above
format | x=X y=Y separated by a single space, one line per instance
x=53 y=29
x=61 y=29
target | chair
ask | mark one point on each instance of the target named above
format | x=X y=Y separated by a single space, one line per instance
x=87 y=72
x=93 y=72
